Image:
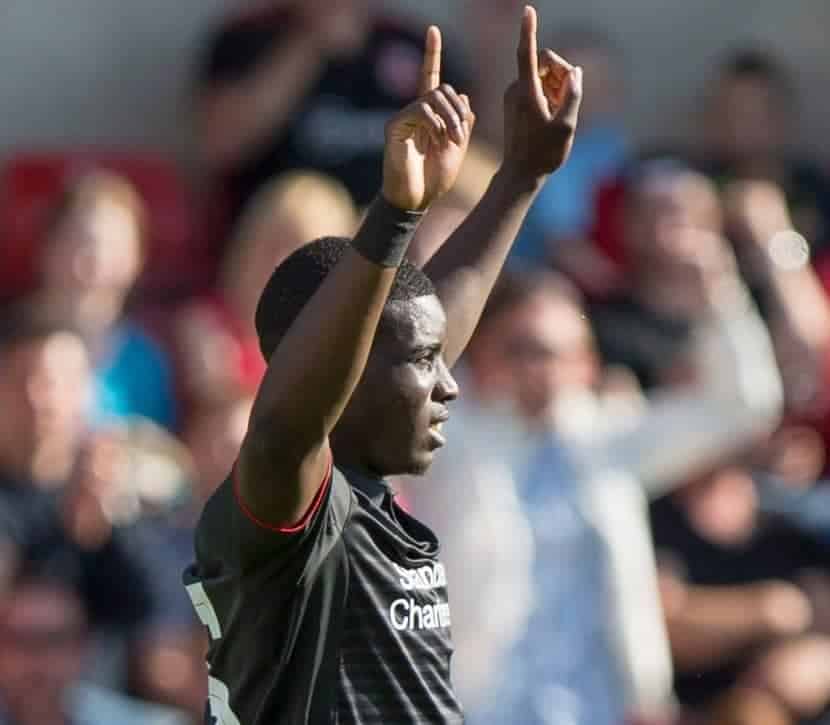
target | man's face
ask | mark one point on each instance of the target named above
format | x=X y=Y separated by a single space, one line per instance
x=669 y=219
x=93 y=259
x=745 y=121
x=392 y=425
x=535 y=352
x=723 y=505
x=44 y=392
x=41 y=650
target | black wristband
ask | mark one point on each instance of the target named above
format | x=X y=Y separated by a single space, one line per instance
x=386 y=232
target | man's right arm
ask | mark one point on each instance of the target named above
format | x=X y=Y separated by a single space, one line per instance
x=318 y=363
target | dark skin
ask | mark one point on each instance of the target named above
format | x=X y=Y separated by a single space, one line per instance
x=331 y=385
x=405 y=396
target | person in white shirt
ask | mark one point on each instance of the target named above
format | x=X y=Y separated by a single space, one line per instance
x=560 y=459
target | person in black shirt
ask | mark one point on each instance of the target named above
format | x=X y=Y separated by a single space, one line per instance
x=49 y=506
x=325 y=602
x=305 y=85
x=746 y=596
x=750 y=125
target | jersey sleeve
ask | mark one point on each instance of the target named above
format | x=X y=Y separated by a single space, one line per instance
x=229 y=537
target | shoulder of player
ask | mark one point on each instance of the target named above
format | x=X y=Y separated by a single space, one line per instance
x=224 y=504
x=214 y=517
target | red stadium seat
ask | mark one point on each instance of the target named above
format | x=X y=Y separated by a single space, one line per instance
x=30 y=183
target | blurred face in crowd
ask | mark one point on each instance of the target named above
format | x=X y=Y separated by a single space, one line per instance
x=44 y=391
x=722 y=506
x=290 y=212
x=533 y=352
x=745 y=120
x=672 y=224
x=91 y=261
x=42 y=631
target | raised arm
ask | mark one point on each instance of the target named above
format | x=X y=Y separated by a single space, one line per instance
x=736 y=398
x=709 y=625
x=541 y=110
x=236 y=116
x=776 y=263
x=317 y=364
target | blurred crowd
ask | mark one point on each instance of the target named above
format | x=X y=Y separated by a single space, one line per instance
x=634 y=511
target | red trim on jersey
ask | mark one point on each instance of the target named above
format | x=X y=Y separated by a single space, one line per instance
x=307 y=516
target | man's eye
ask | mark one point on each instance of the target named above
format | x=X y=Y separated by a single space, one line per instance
x=425 y=361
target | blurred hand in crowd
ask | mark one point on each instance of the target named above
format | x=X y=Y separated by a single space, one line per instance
x=98 y=481
x=797 y=674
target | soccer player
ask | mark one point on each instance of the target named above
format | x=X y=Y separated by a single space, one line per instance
x=325 y=601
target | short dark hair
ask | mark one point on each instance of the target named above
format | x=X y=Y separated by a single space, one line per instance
x=758 y=64
x=22 y=323
x=300 y=275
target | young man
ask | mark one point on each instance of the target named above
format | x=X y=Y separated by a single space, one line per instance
x=326 y=602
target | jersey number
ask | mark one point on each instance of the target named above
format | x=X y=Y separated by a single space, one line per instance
x=219 y=708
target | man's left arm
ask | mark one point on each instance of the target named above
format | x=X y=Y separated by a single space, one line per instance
x=541 y=110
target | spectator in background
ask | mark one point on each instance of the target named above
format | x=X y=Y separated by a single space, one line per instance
x=306 y=84
x=92 y=255
x=558 y=226
x=671 y=217
x=775 y=261
x=216 y=341
x=747 y=598
x=45 y=390
x=557 y=448
x=56 y=480
x=750 y=133
x=44 y=630
x=674 y=222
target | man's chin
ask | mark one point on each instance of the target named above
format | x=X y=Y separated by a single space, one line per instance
x=421 y=464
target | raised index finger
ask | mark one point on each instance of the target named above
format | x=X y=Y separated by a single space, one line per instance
x=431 y=68
x=527 y=55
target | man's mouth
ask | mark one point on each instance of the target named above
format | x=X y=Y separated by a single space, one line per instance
x=436 y=430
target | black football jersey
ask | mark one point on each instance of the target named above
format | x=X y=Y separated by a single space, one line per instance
x=344 y=621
